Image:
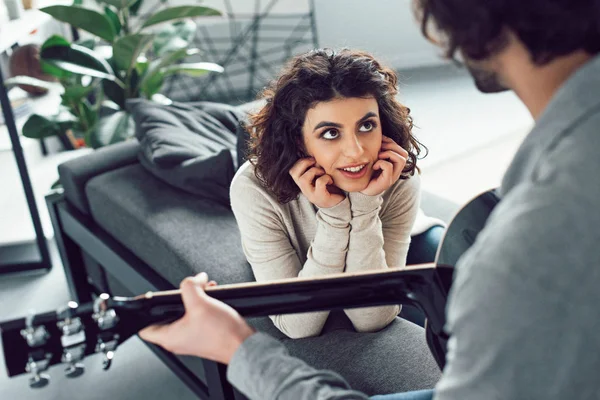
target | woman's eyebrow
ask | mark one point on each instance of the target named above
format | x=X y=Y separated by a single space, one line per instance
x=327 y=123
x=322 y=124
x=368 y=115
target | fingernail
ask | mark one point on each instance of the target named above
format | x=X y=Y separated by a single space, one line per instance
x=201 y=278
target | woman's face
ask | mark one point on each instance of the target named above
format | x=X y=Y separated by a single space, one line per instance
x=344 y=136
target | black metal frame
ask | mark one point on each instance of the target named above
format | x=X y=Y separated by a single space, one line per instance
x=218 y=87
x=43 y=262
x=77 y=234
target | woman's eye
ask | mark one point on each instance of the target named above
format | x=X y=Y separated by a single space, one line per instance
x=330 y=134
x=367 y=126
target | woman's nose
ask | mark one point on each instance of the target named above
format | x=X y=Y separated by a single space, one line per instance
x=352 y=147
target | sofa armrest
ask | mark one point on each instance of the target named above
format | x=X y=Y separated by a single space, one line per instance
x=75 y=174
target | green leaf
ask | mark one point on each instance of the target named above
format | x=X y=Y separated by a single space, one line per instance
x=180 y=12
x=174 y=37
x=53 y=70
x=75 y=93
x=194 y=69
x=127 y=49
x=175 y=56
x=119 y=4
x=38 y=127
x=134 y=8
x=74 y=54
x=78 y=60
x=85 y=19
x=87 y=114
x=154 y=77
x=77 y=69
x=114 y=92
x=30 y=81
x=141 y=65
x=152 y=84
x=113 y=18
x=112 y=129
x=55 y=40
x=87 y=43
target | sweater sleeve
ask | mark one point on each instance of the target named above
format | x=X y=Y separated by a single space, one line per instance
x=268 y=249
x=262 y=369
x=378 y=239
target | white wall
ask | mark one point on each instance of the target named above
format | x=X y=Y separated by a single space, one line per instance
x=386 y=28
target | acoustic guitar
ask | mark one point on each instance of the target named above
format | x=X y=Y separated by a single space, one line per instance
x=66 y=336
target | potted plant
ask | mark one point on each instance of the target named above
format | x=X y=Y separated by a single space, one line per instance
x=125 y=58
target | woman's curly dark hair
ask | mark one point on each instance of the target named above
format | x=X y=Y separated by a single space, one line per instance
x=321 y=75
x=478 y=28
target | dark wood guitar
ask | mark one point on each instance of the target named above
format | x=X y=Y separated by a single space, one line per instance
x=67 y=336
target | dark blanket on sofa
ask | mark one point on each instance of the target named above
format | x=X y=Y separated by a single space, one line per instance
x=191 y=146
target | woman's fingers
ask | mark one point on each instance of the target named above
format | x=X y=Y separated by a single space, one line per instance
x=300 y=167
x=389 y=144
x=306 y=180
x=396 y=159
x=321 y=185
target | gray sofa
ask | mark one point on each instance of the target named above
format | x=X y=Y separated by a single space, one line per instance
x=123 y=231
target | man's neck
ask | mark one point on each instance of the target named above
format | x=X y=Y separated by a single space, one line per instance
x=536 y=85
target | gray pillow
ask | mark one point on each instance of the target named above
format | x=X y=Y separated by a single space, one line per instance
x=191 y=146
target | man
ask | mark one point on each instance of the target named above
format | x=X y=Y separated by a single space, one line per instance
x=522 y=313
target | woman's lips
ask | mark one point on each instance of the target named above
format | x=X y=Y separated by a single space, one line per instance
x=355 y=175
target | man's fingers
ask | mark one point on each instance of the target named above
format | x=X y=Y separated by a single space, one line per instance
x=155 y=334
x=192 y=290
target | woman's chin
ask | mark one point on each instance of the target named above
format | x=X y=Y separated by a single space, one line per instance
x=353 y=187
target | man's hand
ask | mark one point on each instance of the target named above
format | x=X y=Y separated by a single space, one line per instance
x=209 y=328
x=315 y=184
x=392 y=159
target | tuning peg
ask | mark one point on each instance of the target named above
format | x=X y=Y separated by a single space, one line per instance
x=72 y=356
x=74 y=370
x=35 y=336
x=39 y=381
x=107 y=360
x=36 y=364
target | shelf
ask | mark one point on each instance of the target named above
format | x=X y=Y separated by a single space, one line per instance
x=44 y=105
x=15 y=30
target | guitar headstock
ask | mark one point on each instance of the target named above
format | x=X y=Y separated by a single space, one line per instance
x=68 y=335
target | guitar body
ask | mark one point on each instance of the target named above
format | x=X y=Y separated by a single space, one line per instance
x=67 y=336
x=457 y=239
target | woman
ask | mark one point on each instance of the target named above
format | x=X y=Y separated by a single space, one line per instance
x=331 y=183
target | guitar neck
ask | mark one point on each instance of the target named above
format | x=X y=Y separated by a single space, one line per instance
x=424 y=286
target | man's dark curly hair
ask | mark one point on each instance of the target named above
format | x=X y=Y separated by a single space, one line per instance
x=276 y=141
x=479 y=28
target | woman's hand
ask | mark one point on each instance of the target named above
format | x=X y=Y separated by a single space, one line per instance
x=315 y=184
x=392 y=159
x=208 y=329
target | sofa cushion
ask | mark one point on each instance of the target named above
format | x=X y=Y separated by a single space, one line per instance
x=395 y=359
x=176 y=233
x=191 y=146
x=75 y=174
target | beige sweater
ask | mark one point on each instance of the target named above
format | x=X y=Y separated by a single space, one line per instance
x=298 y=239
